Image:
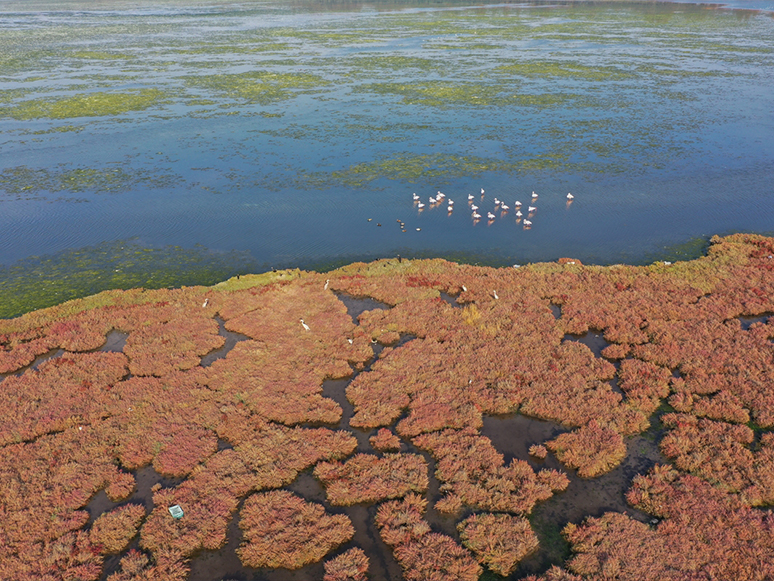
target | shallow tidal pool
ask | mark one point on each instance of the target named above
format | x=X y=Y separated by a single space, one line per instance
x=263 y=134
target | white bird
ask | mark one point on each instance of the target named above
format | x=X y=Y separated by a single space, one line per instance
x=304 y=325
x=326 y=284
x=432 y=200
x=470 y=196
x=490 y=215
x=449 y=208
x=476 y=216
x=415 y=196
x=420 y=205
x=494 y=293
x=517 y=203
x=482 y=191
x=534 y=195
x=531 y=209
x=451 y=202
x=527 y=223
x=206 y=302
x=504 y=207
x=464 y=288
x=440 y=195
x=473 y=207
x=519 y=214
x=497 y=202
x=570 y=196
x=350 y=341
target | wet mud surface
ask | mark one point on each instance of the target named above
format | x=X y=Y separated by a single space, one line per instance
x=232 y=339
x=513 y=435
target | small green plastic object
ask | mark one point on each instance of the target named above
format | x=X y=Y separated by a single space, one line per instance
x=176 y=511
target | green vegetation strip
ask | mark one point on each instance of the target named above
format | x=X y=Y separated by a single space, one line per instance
x=45 y=281
x=85 y=105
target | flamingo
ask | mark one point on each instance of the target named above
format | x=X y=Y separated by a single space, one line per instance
x=570 y=196
x=451 y=202
x=518 y=214
x=482 y=191
x=534 y=195
x=206 y=302
x=527 y=223
x=304 y=325
x=476 y=216
x=432 y=200
x=415 y=196
x=531 y=209
x=517 y=203
x=470 y=197
x=494 y=294
x=490 y=215
x=504 y=207
x=326 y=284
x=420 y=205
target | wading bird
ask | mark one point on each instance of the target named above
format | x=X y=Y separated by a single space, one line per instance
x=304 y=325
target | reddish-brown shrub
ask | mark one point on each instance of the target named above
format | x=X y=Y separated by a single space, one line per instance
x=499 y=541
x=351 y=565
x=719 y=453
x=385 y=441
x=283 y=530
x=369 y=478
x=706 y=534
x=114 y=529
x=592 y=449
x=538 y=451
x=474 y=472
x=422 y=553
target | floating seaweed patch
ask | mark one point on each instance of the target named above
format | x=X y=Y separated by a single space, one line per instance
x=98 y=104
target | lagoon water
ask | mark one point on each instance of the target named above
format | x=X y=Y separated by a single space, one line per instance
x=276 y=130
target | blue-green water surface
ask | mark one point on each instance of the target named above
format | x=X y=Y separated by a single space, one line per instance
x=277 y=130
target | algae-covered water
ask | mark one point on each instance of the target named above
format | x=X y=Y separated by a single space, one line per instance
x=250 y=135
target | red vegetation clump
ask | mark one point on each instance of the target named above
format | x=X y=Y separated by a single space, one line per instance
x=351 y=565
x=43 y=484
x=424 y=555
x=644 y=384
x=719 y=453
x=264 y=457
x=499 y=541
x=137 y=566
x=283 y=530
x=71 y=423
x=114 y=529
x=538 y=451
x=592 y=449
x=70 y=390
x=161 y=348
x=385 y=441
x=721 y=406
x=474 y=472
x=706 y=534
x=369 y=478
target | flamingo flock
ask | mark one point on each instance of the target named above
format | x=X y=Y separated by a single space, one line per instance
x=500 y=207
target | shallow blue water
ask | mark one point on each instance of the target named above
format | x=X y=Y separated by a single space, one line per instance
x=658 y=118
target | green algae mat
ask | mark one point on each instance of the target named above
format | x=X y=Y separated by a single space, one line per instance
x=336 y=424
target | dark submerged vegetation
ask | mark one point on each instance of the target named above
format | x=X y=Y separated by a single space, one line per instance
x=84 y=420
